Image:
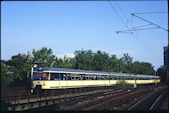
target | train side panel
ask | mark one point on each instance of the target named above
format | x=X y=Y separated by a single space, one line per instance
x=56 y=84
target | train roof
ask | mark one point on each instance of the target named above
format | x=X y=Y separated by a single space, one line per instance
x=141 y=75
x=73 y=70
x=83 y=71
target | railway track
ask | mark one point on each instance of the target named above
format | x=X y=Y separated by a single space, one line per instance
x=103 y=99
x=150 y=101
x=88 y=100
x=115 y=101
x=25 y=102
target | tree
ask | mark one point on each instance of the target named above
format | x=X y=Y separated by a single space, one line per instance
x=142 y=68
x=68 y=62
x=127 y=60
x=101 y=61
x=83 y=59
x=6 y=76
x=43 y=57
x=20 y=66
x=65 y=62
x=118 y=65
x=21 y=69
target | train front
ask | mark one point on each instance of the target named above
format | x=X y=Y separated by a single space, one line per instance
x=39 y=78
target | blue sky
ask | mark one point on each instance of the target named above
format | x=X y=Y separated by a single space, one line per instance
x=68 y=26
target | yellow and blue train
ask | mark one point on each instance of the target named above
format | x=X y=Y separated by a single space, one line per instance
x=60 y=78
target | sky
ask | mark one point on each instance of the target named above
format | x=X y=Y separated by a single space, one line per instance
x=66 y=26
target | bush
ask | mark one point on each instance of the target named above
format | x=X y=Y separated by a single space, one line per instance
x=121 y=84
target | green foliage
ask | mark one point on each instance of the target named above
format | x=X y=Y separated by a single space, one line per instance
x=101 y=61
x=127 y=62
x=121 y=84
x=20 y=66
x=64 y=62
x=127 y=59
x=6 y=77
x=142 y=68
x=83 y=59
x=43 y=57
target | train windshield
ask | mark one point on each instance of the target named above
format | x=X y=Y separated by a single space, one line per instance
x=40 y=76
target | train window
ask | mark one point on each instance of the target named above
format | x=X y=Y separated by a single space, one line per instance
x=68 y=77
x=61 y=76
x=47 y=76
x=51 y=76
x=64 y=77
x=77 y=78
x=96 y=77
x=84 y=78
x=56 y=76
x=100 y=77
x=73 y=78
x=37 y=76
x=80 y=77
x=44 y=76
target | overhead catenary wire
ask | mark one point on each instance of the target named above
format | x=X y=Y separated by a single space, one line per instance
x=147 y=45
x=117 y=14
x=121 y=11
x=127 y=27
x=147 y=48
x=149 y=22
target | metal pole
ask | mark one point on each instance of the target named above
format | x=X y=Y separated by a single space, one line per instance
x=31 y=77
x=150 y=22
x=32 y=71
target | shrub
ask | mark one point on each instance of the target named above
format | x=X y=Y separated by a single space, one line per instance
x=121 y=84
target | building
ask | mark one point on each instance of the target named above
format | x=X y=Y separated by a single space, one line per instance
x=165 y=56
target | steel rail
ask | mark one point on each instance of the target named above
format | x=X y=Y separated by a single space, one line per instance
x=156 y=101
x=141 y=100
x=99 y=98
x=113 y=99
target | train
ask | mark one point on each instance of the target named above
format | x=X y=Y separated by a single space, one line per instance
x=61 y=78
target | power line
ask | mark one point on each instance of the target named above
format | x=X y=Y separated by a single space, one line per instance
x=154 y=52
x=117 y=13
x=132 y=30
x=148 y=49
x=121 y=11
